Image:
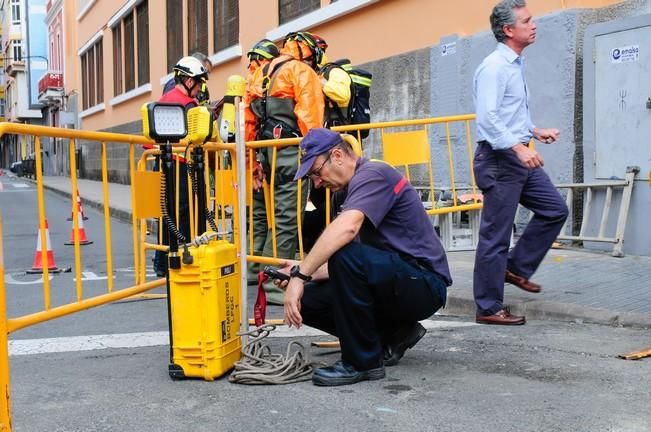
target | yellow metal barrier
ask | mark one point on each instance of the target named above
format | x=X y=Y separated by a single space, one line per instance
x=221 y=197
x=9 y=325
x=402 y=148
x=5 y=400
x=426 y=125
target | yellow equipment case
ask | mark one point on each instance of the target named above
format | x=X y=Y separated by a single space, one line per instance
x=204 y=308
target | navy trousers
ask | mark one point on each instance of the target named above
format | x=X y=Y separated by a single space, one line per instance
x=370 y=293
x=505 y=183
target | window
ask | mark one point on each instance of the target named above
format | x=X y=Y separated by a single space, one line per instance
x=92 y=79
x=198 y=26
x=131 y=50
x=226 y=20
x=117 y=60
x=2 y=108
x=17 y=50
x=174 y=33
x=292 y=9
x=129 y=54
x=142 y=13
x=15 y=11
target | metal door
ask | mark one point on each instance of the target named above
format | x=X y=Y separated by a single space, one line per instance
x=622 y=88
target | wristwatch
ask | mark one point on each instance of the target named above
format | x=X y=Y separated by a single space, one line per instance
x=296 y=272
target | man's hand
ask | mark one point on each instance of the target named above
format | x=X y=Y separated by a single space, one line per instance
x=529 y=158
x=258 y=176
x=546 y=136
x=284 y=266
x=293 y=295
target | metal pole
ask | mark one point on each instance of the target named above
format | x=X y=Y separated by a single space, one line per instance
x=240 y=152
x=198 y=173
x=5 y=400
x=170 y=190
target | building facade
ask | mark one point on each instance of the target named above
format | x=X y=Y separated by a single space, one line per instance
x=118 y=55
x=25 y=54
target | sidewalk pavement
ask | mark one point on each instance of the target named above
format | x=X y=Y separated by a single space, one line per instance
x=578 y=285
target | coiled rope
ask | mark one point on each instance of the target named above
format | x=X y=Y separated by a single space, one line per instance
x=259 y=366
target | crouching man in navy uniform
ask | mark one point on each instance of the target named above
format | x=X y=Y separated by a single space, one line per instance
x=374 y=272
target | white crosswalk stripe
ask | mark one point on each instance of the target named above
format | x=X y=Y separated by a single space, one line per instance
x=150 y=339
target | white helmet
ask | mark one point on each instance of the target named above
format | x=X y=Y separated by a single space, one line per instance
x=191 y=67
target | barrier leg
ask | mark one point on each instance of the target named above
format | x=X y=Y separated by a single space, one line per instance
x=5 y=401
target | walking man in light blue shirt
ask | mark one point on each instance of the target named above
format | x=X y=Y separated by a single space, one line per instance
x=508 y=172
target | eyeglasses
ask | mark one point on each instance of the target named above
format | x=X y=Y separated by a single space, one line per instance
x=317 y=172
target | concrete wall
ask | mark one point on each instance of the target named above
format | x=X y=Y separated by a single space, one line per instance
x=425 y=83
x=117 y=155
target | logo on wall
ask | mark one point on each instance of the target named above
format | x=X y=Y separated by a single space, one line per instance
x=625 y=54
x=448 y=49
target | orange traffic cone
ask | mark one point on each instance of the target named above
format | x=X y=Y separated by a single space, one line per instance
x=80 y=209
x=37 y=267
x=83 y=240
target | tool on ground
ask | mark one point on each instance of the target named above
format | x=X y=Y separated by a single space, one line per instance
x=636 y=355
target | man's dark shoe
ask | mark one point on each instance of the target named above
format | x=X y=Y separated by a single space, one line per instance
x=521 y=282
x=342 y=373
x=502 y=317
x=403 y=339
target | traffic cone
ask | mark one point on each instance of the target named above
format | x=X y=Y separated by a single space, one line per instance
x=80 y=209
x=83 y=240
x=37 y=266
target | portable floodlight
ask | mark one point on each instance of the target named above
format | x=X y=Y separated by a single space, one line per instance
x=164 y=122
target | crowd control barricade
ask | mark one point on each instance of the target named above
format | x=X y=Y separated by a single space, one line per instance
x=81 y=302
x=442 y=145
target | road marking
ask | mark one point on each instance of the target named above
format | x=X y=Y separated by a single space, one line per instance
x=90 y=276
x=20 y=185
x=10 y=280
x=150 y=339
x=87 y=343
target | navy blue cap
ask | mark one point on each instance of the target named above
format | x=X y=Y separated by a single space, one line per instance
x=317 y=141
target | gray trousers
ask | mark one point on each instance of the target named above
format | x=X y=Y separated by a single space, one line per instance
x=505 y=183
x=285 y=196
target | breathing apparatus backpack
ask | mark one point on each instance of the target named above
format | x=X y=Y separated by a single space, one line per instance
x=276 y=118
x=359 y=107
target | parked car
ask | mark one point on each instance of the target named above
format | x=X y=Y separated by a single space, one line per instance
x=17 y=168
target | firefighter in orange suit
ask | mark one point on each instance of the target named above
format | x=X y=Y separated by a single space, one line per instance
x=259 y=55
x=284 y=100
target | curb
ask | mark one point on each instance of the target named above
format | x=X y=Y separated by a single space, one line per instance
x=461 y=302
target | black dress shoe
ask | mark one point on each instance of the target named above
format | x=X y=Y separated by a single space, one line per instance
x=342 y=373
x=403 y=339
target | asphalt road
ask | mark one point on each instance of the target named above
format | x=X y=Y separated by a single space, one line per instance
x=544 y=376
x=18 y=204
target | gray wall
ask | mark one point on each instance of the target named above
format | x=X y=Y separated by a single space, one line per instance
x=90 y=165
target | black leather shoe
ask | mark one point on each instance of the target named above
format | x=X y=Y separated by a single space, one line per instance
x=403 y=339
x=342 y=373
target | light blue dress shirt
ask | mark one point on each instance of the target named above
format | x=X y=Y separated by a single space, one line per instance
x=501 y=100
